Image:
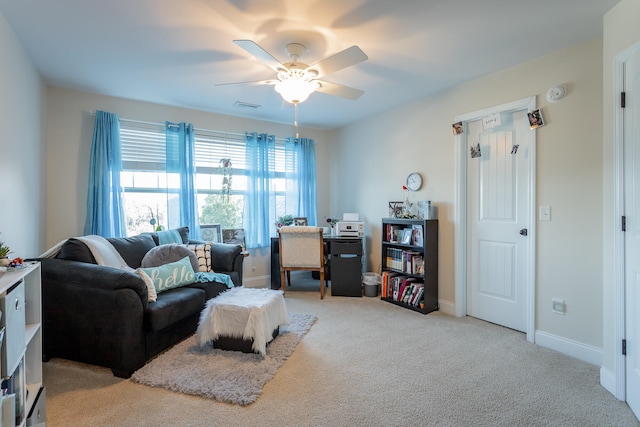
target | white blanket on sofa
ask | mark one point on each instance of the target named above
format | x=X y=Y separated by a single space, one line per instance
x=101 y=249
x=104 y=252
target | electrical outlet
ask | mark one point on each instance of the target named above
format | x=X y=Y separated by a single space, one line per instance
x=559 y=307
x=253 y=268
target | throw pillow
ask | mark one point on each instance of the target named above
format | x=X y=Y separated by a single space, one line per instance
x=164 y=254
x=151 y=290
x=202 y=252
x=182 y=231
x=172 y=275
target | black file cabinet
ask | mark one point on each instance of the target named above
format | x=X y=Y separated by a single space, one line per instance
x=346 y=267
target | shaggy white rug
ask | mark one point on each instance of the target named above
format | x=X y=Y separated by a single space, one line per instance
x=227 y=376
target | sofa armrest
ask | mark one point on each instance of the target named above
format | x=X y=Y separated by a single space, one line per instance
x=84 y=275
x=226 y=258
x=93 y=314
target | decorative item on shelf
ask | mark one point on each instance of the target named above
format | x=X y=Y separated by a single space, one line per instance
x=284 y=220
x=424 y=209
x=332 y=223
x=405 y=210
x=395 y=209
x=4 y=254
x=226 y=171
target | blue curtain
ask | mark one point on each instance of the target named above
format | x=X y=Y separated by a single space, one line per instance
x=105 y=213
x=300 y=175
x=259 y=206
x=181 y=159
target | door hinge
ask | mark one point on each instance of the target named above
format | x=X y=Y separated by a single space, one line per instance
x=624 y=223
x=623 y=99
x=624 y=347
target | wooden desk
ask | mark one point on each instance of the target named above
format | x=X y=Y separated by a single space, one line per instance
x=344 y=266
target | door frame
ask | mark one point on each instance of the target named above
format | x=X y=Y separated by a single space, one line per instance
x=460 y=220
x=619 y=280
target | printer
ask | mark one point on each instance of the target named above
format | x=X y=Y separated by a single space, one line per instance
x=350 y=229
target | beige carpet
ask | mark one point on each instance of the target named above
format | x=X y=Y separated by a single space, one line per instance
x=366 y=362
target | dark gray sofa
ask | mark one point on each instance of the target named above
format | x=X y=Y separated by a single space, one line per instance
x=101 y=315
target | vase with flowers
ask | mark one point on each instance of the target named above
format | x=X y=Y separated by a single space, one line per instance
x=332 y=223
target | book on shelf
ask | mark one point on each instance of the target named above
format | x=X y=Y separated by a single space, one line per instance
x=417 y=295
x=417 y=265
x=405 y=261
x=393 y=233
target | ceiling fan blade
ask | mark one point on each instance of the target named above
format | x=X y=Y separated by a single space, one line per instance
x=346 y=58
x=254 y=49
x=339 y=90
x=255 y=82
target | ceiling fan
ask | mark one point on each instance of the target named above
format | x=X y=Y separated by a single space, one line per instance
x=295 y=80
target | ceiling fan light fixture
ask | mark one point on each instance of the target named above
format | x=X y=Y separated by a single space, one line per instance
x=295 y=85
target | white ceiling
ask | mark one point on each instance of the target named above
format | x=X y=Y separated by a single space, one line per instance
x=174 y=52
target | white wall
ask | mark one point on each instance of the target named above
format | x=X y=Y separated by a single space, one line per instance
x=418 y=137
x=21 y=148
x=69 y=134
x=621 y=32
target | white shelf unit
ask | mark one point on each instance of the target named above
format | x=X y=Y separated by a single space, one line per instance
x=29 y=348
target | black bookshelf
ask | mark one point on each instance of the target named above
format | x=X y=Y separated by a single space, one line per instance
x=410 y=263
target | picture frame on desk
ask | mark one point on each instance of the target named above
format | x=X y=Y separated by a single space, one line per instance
x=211 y=233
x=300 y=221
x=234 y=236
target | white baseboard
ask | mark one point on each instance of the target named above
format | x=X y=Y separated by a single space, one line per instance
x=571 y=348
x=447 y=307
x=608 y=380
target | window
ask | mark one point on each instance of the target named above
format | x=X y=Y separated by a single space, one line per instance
x=151 y=193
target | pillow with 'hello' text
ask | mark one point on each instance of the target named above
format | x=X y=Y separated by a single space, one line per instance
x=171 y=275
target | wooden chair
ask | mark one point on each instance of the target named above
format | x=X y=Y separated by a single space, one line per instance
x=301 y=248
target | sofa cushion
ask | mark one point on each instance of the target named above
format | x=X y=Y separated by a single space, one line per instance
x=173 y=306
x=133 y=249
x=202 y=252
x=75 y=250
x=164 y=254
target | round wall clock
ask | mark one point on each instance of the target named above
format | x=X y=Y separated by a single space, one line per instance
x=414 y=181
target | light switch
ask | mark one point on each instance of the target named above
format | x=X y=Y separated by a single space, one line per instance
x=545 y=213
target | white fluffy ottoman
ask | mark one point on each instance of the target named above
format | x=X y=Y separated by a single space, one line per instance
x=243 y=319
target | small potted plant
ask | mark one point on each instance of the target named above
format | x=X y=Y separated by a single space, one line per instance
x=284 y=220
x=4 y=254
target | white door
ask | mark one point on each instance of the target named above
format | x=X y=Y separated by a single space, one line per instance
x=498 y=223
x=632 y=235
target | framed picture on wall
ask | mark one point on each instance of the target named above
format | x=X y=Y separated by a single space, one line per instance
x=211 y=233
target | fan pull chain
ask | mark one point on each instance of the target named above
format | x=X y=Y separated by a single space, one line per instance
x=295 y=119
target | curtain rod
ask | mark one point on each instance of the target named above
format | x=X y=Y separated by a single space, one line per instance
x=93 y=113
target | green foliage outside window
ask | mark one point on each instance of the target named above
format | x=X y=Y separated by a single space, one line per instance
x=223 y=210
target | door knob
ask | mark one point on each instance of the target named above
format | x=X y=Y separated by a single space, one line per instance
x=523 y=232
